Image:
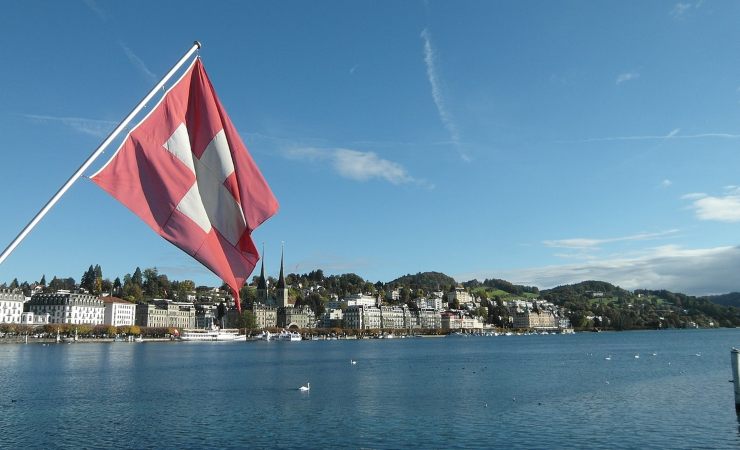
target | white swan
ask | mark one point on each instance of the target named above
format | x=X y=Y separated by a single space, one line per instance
x=352 y=361
x=305 y=388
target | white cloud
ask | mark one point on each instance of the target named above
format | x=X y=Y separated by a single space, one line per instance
x=94 y=7
x=355 y=165
x=691 y=271
x=437 y=95
x=92 y=127
x=627 y=76
x=362 y=166
x=137 y=62
x=680 y=10
x=674 y=134
x=666 y=183
x=724 y=208
x=589 y=243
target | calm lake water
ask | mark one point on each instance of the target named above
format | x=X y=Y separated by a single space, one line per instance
x=487 y=392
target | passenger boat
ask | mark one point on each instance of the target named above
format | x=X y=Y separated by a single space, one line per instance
x=265 y=336
x=288 y=336
x=212 y=334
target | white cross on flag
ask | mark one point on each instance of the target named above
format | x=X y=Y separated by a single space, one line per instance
x=185 y=171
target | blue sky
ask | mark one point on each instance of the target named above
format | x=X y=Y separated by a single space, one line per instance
x=540 y=142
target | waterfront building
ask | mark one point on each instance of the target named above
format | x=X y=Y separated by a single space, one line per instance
x=428 y=319
x=452 y=320
x=165 y=313
x=394 y=317
x=536 y=319
x=11 y=306
x=359 y=300
x=361 y=317
x=332 y=317
x=460 y=294
x=70 y=308
x=205 y=315
x=430 y=303
x=265 y=316
x=29 y=318
x=296 y=316
x=118 y=312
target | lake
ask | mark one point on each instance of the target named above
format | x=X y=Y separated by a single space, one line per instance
x=552 y=391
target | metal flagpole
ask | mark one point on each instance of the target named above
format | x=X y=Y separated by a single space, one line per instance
x=96 y=153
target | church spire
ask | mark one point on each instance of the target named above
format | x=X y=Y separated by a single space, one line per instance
x=281 y=280
x=262 y=282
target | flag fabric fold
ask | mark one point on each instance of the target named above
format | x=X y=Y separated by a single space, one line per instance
x=185 y=171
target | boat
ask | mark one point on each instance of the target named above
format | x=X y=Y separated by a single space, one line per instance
x=265 y=336
x=212 y=334
x=288 y=336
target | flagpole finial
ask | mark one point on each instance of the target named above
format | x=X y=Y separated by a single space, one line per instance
x=198 y=44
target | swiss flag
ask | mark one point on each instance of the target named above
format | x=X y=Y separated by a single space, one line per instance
x=185 y=171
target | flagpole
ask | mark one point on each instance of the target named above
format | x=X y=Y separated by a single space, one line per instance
x=96 y=153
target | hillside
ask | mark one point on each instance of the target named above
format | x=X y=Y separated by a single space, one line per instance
x=427 y=281
x=731 y=299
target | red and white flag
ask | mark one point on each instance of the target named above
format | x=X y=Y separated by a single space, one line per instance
x=185 y=171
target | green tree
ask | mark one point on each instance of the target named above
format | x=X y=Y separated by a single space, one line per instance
x=137 y=277
x=117 y=286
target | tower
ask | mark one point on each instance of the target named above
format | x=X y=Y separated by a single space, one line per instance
x=262 y=296
x=281 y=290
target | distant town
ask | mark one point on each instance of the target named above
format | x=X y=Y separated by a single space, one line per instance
x=148 y=304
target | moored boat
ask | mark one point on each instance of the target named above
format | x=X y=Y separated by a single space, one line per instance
x=285 y=335
x=212 y=334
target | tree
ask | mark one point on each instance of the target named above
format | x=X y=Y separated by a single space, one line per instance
x=43 y=280
x=117 y=286
x=152 y=287
x=14 y=284
x=247 y=320
x=137 y=278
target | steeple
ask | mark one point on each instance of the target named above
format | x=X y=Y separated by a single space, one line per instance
x=262 y=283
x=262 y=296
x=281 y=289
x=281 y=279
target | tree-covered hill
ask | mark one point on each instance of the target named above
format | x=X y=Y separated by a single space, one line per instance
x=731 y=299
x=426 y=281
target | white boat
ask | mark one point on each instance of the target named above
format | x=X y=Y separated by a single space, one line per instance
x=265 y=336
x=288 y=336
x=212 y=334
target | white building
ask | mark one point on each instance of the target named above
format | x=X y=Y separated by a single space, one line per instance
x=118 y=312
x=461 y=295
x=362 y=317
x=65 y=307
x=394 y=317
x=430 y=303
x=359 y=300
x=428 y=319
x=29 y=318
x=11 y=306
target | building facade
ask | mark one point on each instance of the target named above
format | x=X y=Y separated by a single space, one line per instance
x=11 y=306
x=361 y=317
x=69 y=308
x=29 y=318
x=296 y=316
x=118 y=312
x=165 y=314
x=265 y=316
x=536 y=319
